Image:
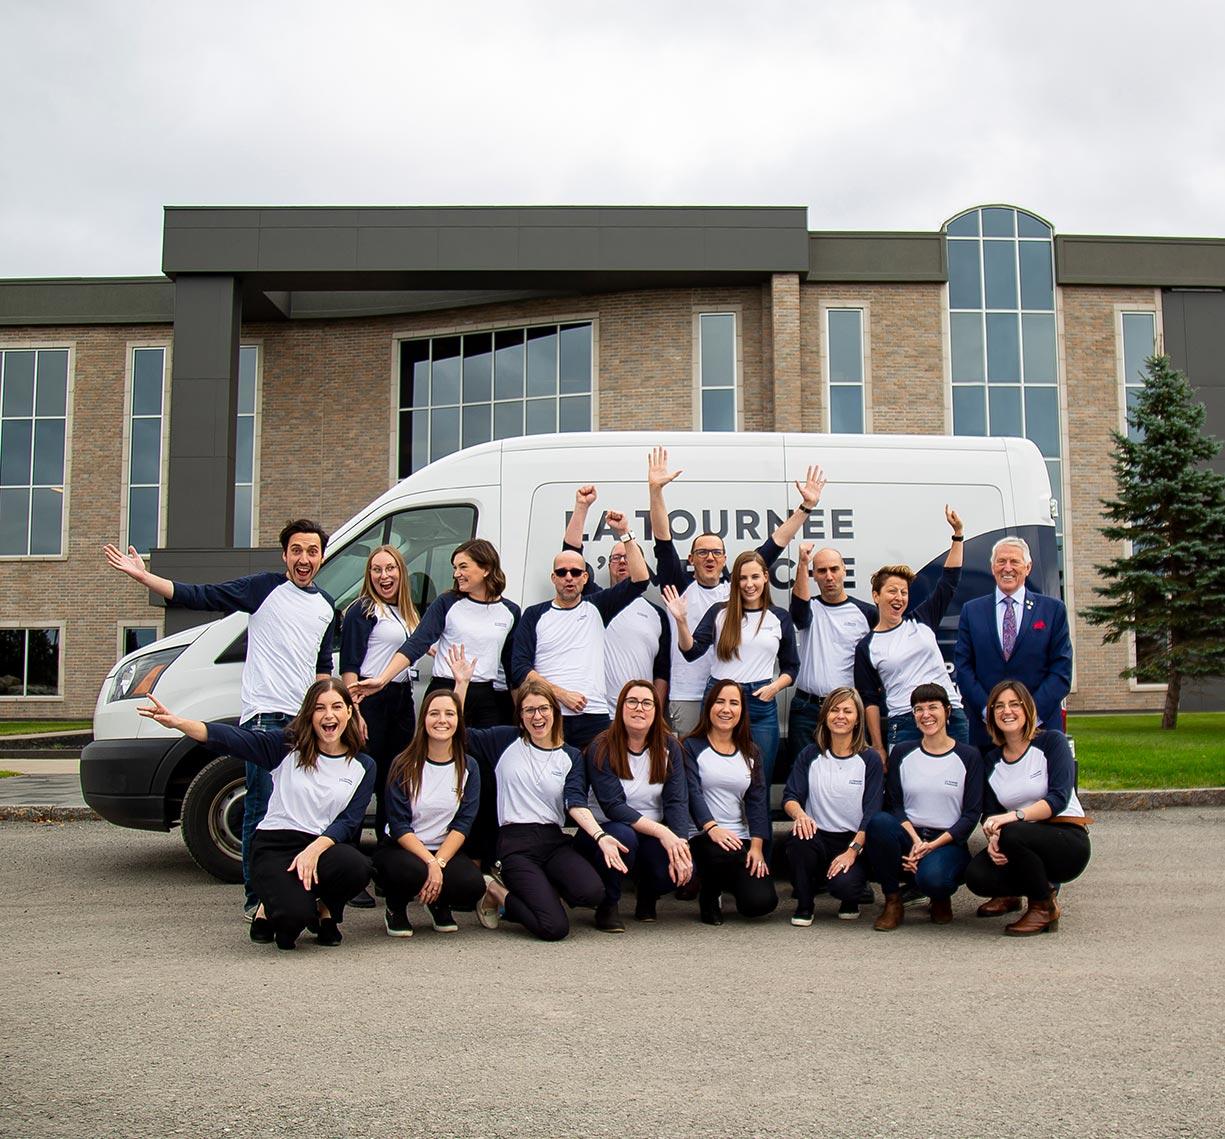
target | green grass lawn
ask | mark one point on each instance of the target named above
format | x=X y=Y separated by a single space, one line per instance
x=1132 y=752
x=27 y=727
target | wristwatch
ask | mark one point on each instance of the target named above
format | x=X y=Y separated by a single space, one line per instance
x=628 y=536
x=442 y=863
x=1020 y=815
x=856 y=847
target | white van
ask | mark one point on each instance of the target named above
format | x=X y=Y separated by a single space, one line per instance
x=883 y=503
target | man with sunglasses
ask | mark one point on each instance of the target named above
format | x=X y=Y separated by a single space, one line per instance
x=561 y=641
x=639 y=640
x=705 y=582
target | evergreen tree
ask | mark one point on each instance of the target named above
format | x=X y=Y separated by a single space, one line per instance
x=1167 y=586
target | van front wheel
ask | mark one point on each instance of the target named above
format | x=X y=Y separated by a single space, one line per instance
x=212 y=817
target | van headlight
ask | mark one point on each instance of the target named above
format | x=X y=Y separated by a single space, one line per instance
x=139 y=676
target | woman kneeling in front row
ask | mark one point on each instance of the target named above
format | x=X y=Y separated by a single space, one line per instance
x=304 y=864
x=832 y=794
x=1035 y=826
x=433 y=790
x=727 y=801
x=935 y=794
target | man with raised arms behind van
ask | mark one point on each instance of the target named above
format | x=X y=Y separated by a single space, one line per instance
x=289 y=645
x=706 y=582
x=561 y=641
x=639 y=641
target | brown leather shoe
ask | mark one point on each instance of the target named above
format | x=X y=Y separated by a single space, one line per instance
x=892 y=915
x=1041 y=916
x=942 y=911
x=998 y=907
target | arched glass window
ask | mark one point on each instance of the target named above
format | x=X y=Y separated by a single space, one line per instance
x=1005 y=361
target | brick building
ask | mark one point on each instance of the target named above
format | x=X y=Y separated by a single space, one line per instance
x=300 y=361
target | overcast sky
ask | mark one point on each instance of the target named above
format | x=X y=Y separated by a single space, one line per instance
x=1103 y=118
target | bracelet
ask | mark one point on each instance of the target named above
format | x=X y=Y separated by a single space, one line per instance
x=959 y=537
x=807 y=509
x=602 y=834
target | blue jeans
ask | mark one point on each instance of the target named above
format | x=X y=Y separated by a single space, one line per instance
x=903 y=729
x=940 y=872
x=259 y=791
x=802 y=722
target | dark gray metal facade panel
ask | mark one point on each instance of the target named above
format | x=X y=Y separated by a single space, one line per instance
x=393 y=248
x=201 y=566
x=1194 y=327
x=305 y=248
x=135 y=300
x=320 y=306
x=204 y=396
x=1204 y=695
x=1167 y=262
x=877 y=257
x=210 y=250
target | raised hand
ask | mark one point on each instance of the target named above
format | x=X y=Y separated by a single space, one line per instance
x=954 y=520
x=617 y=522
x=658 y=475
x=675 y=604
x=812 y=486
x=584 y=497
x=130 y=563
x=461 y=667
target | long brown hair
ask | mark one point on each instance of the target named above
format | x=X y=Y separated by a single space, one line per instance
x=544 y=689
x=741 y=736
x=408 y=766
x=1027 y=703
x=300 y=731
x=859 y=737
x=485 y=554
x=370 y=601
x=611 y=747
x=728 y=645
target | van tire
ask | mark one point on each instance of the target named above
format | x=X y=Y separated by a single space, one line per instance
x=212 y=817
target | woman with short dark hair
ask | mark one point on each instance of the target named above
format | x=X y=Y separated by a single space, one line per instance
x=1037 y=831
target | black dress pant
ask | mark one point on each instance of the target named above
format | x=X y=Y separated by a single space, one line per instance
x=723 y=871
x=401 y=874
x=541 y=867
x=1038 y=854
x=810 y=859
x=390 y=722
x=342 y=872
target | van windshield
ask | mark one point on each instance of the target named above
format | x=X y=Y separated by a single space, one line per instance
x=425 y=536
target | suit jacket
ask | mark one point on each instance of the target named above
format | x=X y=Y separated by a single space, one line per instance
x=1041 y=658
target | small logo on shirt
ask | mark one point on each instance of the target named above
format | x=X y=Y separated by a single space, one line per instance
x=345 y=780
x=952 y=782
x=855 y=782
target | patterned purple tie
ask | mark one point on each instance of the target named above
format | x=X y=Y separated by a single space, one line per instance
x=1010 y=626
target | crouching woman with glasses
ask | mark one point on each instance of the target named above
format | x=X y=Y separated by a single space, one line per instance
x=304 y=864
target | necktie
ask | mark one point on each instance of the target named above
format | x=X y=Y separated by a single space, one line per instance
x=1010 y=626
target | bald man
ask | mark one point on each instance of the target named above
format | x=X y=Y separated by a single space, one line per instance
x=829 y=625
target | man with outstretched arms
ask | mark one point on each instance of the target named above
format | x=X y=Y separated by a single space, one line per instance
x=561 y=641
x=829 y=627
x=638 y=643
x=290 y=635
x=706 y=581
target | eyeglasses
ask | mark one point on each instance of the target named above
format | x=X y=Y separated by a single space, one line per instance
x=617 y=558
x=709 y=554
x=533 y=713
x=639 y=702
x=568 y=571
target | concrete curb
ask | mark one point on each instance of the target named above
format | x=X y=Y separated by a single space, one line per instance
x=48 y=814
x=1152 y=800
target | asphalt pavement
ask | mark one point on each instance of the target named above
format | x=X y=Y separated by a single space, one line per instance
x=134 y=1005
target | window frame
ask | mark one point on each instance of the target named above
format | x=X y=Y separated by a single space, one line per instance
x=129 y=380
x=123 y=624
x=865 y=365
x=257 y=428
x=33 y=623
x=737 y=384
x=69 y=391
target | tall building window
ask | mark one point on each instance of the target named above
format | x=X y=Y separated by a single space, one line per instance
x=1005 y=362
x=717 y=370
x=844 y=356
x=457 y=391
x=30 y=661
x=246 y=455
x=147 y=403
x=33 y=432
x=1139 y=343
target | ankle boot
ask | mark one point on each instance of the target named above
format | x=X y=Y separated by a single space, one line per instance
x=710 y=906
x=998 y=907
x=892 y=915
x=1041 y=916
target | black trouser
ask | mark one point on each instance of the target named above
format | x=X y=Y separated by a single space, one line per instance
x=578 y=731
x=810 y=859
x=1038 y=854
x=484 y=707
x=390 y=720
x=540 y=867
x=401 y=874
x=724 y=870
x=342 y=871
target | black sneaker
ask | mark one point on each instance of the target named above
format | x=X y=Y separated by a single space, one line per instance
x=802 y=916
x=396 y=923
x=710 y=909
x=261 y=931
x=362 y=901
x=644 y=908
x=866 y=897
x=285 y=941
x=608 y=918
x=329 y=932
x=444 y=921
x=848 y=911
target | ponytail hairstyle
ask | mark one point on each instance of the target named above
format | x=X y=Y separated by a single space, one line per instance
x=408 y=766
x=300 y=731
x=611 y=747
x=370 y=601
x=728 y=645
x=742 y=738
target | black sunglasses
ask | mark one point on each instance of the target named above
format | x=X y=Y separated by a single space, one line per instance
x=569 y=571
